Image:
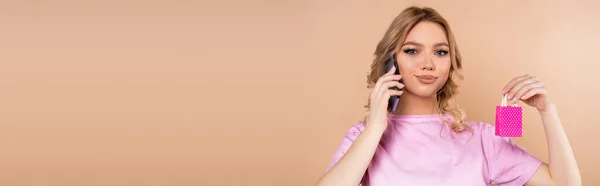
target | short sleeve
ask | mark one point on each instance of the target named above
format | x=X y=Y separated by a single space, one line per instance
x=346 y=142
x=509 y=164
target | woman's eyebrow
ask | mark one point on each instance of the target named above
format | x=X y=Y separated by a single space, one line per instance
x=441 y=44
x=412 y=43
x=420 y=45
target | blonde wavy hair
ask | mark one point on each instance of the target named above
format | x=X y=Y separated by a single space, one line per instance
x=397 y=33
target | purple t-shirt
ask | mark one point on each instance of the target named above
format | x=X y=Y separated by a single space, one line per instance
x=420 y=150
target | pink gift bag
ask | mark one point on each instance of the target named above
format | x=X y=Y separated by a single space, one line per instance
x=509 y=120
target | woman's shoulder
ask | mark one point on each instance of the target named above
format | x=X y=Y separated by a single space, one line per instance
x=354 y=130
x=475 y=125
x=481 y=125
x=357 y=127
x=487 y=132
x=481 y=128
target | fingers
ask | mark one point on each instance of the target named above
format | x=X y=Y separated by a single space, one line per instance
x=533 y=92
x=385 y=78
x=396 y=92
x=523 y=88
x=392 y=70
x=389 y=93
x=381 y=84
x=519 y=87
x=382 y=91
x=387 y=85
x=526 y=88
x=513 y=82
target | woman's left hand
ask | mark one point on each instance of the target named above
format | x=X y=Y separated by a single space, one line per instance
x=529 y=90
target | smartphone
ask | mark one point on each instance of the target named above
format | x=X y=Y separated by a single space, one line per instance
x=393 y=101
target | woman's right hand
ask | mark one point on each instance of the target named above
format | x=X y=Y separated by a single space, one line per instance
x=380 y=95
x=351 y=167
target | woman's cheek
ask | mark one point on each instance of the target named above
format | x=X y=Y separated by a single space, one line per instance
x=405 y=63
x=444 y=66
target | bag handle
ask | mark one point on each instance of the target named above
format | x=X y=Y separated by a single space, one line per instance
x=504 y=101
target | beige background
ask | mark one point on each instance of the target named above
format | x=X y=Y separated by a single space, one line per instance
x=252 y=93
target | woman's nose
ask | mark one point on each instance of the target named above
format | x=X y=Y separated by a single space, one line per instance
x=427 y=63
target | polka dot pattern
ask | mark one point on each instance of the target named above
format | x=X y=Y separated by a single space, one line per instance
x=509 y=121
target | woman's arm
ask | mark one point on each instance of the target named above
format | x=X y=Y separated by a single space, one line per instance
x=562 y=169
x=350 y=169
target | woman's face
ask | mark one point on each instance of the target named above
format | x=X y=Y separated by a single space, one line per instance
x=424 y=59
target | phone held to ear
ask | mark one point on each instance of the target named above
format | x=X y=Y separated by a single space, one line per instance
x=393 y=101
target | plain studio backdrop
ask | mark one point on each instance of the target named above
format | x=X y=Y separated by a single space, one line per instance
x=159 y=92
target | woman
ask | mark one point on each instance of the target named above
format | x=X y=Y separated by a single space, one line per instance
x=425 y=140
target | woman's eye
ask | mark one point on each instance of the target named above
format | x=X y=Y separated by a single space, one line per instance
x=410 y=51
x=441 y=52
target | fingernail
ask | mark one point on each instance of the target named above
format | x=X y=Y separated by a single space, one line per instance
x=503 y=91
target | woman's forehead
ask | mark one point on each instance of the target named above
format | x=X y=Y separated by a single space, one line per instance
x=426 y=34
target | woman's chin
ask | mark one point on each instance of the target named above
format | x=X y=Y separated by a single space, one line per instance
x=424 y=93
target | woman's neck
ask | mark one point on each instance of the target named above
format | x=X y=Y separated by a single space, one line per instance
x=411 y=104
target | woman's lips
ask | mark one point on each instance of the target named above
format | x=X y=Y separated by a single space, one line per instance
x=426 y=79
